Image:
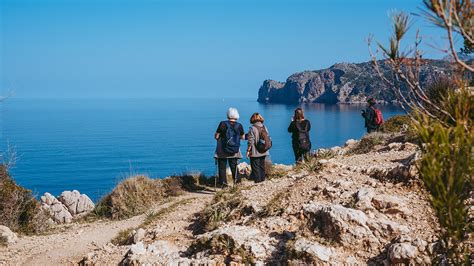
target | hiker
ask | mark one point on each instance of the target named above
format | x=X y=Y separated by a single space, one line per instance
x=373 y=116
x=299 y=129
x=259 y=143
x=228 y=136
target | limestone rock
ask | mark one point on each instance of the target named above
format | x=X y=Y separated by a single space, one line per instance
x=402 y=253
x=347 y=226
x=395 y=146
x=76 y=202
x=314 y=249
x=7 y=236
x=351 y=142
x=137 y=249
x=160 y=252
x=244 y=170
x=56 y=209
x=250 y=239
x=364 y=198
x=390 y=204
x=139 y=235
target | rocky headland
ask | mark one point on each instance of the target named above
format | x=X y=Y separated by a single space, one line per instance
x=362 y=203
x=341 y=83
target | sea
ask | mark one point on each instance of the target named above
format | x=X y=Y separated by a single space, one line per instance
x=92 y=144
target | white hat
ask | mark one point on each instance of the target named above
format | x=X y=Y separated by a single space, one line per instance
x=233 y=114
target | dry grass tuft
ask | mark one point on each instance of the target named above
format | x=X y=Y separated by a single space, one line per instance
x=277 y=205
x=123 y=237
x=226 y=205
x=137 y=194
x=274 y=172
x=368 y=143
x=19 y=210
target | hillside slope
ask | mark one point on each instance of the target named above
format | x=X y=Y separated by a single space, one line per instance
x=341 y=207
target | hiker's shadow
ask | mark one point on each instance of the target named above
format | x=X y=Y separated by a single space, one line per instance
x=278 y=256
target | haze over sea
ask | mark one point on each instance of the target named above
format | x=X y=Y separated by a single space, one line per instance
x=90 y=145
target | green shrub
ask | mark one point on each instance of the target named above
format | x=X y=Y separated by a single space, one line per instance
x=396 y=124
x=447 y=171
x=19 y=210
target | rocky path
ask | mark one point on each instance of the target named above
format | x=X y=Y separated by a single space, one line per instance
x=71 y=243
x=346 y=209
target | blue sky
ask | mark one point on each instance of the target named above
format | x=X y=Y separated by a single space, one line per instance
x=161 y=49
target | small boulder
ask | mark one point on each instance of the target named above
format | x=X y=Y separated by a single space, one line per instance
x=345 y=225
x=7 y=236
x=250 y=239
x=160 y=252
x=364 y=198
x=317 y=251
x=139 y=235
x=244 y=170
x=395 y=146
x=402 y=253
x=351 y=142
x=390 y=204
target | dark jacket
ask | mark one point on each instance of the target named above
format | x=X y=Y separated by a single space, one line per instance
x=293 y=129
x=369 y=115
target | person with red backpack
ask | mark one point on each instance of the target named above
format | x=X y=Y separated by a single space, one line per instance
x=259 y=143
x=228 y=136
x=373 y=116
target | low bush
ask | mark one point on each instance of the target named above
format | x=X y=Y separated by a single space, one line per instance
x=397 y=124
x=367 y=143
x=19 y=210
x=401 y=124
x=136 y=195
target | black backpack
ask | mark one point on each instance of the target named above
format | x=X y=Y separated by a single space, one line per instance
x=303 y=141
x=264 y=142
x=231 y=140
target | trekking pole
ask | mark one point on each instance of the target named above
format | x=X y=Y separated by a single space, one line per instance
x=215 y=177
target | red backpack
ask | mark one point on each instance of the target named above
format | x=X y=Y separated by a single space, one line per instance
x=378 y=116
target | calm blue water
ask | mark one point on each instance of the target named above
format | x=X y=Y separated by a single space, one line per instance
x=90 y=145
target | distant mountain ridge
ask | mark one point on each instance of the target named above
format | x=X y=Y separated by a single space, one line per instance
x=341 y=83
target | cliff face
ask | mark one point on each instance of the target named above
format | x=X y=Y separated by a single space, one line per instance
x=341 y=83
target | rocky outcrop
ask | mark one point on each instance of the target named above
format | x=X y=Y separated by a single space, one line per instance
x=7 y=236
x=341 y=83
x=75 y=202
x=68 y=205
x=242 y=239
